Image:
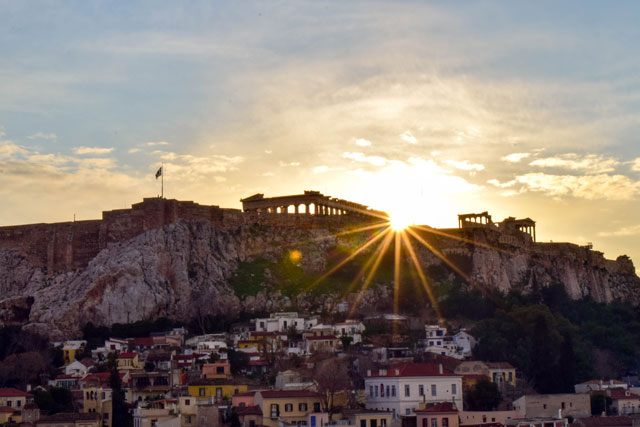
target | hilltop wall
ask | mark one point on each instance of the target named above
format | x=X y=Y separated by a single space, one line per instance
x=67 y=246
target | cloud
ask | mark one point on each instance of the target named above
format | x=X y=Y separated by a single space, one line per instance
x=268 y=151
x=155 y=143
x=92 y=150
x=636 y=165
x=363 y=142
x=360 y=157
x=191 y=168
x=633 y=230
x=591 y=163
x=499 y=184
x=268 y=174
x=133 y=150
x=9 y=150
x=515 y=157
x=289 y=164
x=408 y=137
x=41 y=135
x=465 y=165
x=320 y=169
x=590 y=187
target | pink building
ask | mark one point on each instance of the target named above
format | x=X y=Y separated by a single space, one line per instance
x=244 y=399
x=443 y=414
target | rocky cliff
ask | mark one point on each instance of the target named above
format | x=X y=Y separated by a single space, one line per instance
x=187 y=269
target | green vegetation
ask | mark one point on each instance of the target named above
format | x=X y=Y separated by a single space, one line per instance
x=54 y=400
x=95 y=335
x=553 y=340
x=484 y=396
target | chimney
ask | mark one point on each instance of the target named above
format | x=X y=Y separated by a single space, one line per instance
x=440 y=370
x=368 y=372
x=397 y=372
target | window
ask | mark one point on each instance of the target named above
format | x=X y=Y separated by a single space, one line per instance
x=510 y=376
x=393 y=391
x=9 y=403
x=433 y=390
x=363 y=423
x=187 y=402
x=376 y=391
x=373 y=423
x=484 y=418
x=219 y=369
x=275 y=410
x=544 y=406
x=425 y=422
x=261 y=325
x=407 y=411
x=563 y=405
x=434 y=422
x=445 y=422
x=18 y=403
x=420 y=390
x=407 y=390
x=316 y=407
x=252 y=423
x=383 y=422
x=453 y=389
x=288 y=407
x=202 y=391
x=381 y=390
x=371 y=390
x=388 y=394
x=302 y=407
x=105 y=415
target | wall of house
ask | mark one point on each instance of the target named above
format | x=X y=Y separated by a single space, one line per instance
x=547 y=405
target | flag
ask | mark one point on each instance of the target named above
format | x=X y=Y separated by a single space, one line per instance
x=159 y=173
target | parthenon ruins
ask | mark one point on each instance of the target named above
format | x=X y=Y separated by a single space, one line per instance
x=309 y=203
x=508 y=225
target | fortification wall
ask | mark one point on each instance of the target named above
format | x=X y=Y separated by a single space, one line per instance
x=67 y=246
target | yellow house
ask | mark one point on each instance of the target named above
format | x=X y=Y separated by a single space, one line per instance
x=128 y=361
x=70 y=349
x=501 y=373
x=367 y=417
x=9 y=415
x=98 y=400
x=288 y=406
x=218 y=389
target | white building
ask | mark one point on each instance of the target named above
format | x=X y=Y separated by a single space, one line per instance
x=439 y=342
x=599 y=385
x=402 y=388
x=349 y=328
x=280 y=322
x=76 y=369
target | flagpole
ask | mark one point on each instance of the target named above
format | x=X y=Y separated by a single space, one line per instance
x=162 y=181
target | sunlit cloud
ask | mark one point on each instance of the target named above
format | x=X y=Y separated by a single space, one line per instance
x=465 y=165
x=590 y=187
x=408 y=137
x=361 y=157
x=8 y=150
x=92 y=150
x=133 y=150
x=268 y=151
x=591 y=163
x=45 y=136
x=288 y=164
x=363 y=142
x=497 y=183
x=633 y=230
x=156 y=143
x=515 y=157
x=320 y=169
x=636 y=165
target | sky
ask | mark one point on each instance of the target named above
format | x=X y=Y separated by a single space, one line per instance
x=423 y=109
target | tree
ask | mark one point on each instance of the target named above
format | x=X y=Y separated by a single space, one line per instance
x=331 y=377
x=18 y=370
x=54 y=400
x=121 y=415
x=238 y=360
x=600 y=404
x=484 y=396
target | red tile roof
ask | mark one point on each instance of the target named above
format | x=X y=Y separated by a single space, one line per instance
x=127 y=355
x=142 y=341
x=246 y=393
x=499 y=365
x=439 y=407
x=416 y=370
x=248 y=410
x=603 y=421
x=13 y=392
x=281 y=394
x=620 y=393
x=7 y=410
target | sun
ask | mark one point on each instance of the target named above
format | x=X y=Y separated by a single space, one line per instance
x=399 y=222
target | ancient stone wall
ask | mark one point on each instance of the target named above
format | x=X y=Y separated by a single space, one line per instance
x=70 y=245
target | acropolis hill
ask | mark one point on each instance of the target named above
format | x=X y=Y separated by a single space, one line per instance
x=177 y=258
